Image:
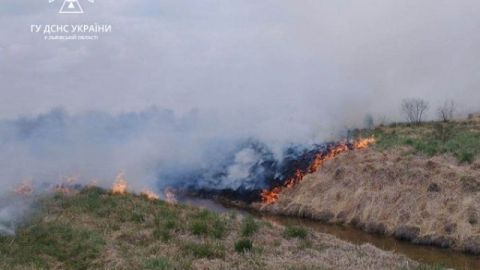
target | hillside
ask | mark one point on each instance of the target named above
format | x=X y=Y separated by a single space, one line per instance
x=418 y=183
x=95 y=229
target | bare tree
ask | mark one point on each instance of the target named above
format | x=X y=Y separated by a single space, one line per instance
x=446 y=111
x=414 y=109
x=369 y=122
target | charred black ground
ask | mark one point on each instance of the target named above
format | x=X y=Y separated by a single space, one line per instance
x=265 y=173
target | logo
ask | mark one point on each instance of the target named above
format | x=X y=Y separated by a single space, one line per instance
x=71 y=6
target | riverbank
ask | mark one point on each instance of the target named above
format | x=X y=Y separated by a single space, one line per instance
x=95 y=229
x=429 y=200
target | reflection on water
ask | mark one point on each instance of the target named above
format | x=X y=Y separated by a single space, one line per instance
x=423 y=254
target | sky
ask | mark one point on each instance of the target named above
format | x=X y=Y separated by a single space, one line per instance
x=274 y=58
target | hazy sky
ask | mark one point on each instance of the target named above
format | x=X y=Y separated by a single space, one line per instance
x=287 y=61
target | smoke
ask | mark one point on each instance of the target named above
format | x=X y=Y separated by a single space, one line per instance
x=243 y=83
x=155 y=148
x=13 y=210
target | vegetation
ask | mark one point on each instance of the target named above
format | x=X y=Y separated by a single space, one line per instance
x=160 y=263
x=204 y=250
x=414 y=110
x=249 y=226
x=446 y=111
x=94 y=229
x=243 y=245
x=294 y=231
x=459 y=138
x=430 y=267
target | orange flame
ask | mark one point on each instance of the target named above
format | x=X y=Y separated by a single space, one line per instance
x=24 y=189
x=363 y=143
x=271 y=196
x=120 y=186
x=150 y=194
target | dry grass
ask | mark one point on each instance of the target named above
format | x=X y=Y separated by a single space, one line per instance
x=98 y=230
x=427 y=200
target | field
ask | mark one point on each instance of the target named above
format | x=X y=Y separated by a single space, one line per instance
x=95 y=229
x=458 y=138
x=417 y=183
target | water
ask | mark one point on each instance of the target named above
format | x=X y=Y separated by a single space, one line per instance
x=424 y=254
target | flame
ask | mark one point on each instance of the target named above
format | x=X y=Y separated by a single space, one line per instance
x=272 y=195
x=364 y=143
x=170 y=196
x=24 y=189
x=150 y=194
x=120 y=186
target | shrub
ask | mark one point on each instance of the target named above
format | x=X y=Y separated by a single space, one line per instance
x=294 y=231
x=249 y=227
x=243 y=245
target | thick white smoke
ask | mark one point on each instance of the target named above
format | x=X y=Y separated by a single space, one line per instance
x=154 y=148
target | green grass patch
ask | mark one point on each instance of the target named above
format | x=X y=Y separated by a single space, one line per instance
x=204 y=250
x=295 y=232
x=461 y=139
x=249 y=227
x=243 y=245
x=208 y=224
x=160 y=263
x=74 y=248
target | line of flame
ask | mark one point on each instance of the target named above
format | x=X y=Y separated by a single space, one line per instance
x=272 y=195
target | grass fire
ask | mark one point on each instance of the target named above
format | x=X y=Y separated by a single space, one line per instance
x=246 y=135
x=269 y=196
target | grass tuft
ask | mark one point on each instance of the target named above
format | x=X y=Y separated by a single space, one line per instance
x=295 y=232
x=249 y=227
x=160 y=263
x=204 y=250
x=243 y=245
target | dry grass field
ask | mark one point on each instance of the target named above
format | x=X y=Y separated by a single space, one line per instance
x=418 y=183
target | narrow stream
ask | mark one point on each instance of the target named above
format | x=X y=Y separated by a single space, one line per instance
x=424 y=254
